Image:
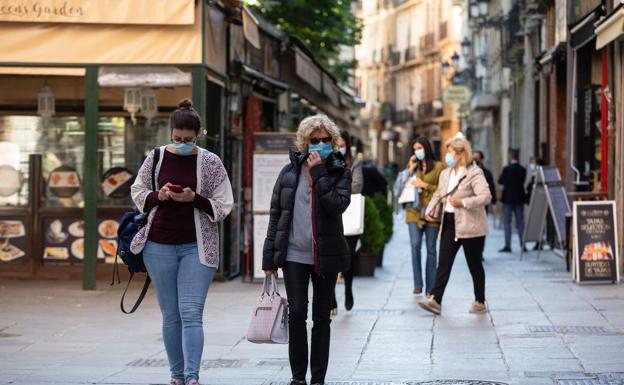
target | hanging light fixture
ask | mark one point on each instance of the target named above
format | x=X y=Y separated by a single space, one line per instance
x=474 y=9
x=149 y=105
x=445 y=67
x=484 y=8
x=465 y=47
x=46 y=105
x=132 y=101
x=455 y=60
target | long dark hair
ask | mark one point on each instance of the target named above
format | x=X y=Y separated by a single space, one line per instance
x=429 y=155
x=348 y=155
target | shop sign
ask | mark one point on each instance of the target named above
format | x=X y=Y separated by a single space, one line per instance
x=595 y=252
x=456 y=94
x=307 y=70
x=171 y=12
x=582 y=8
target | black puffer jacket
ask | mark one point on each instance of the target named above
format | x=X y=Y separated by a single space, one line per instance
x=331 y=195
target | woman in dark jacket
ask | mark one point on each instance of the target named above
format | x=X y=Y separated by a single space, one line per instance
x=305 y=238
x=357 y=183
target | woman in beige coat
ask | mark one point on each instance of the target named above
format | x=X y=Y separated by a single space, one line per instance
x=464 y=192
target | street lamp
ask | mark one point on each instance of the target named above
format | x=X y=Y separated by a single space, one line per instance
x=132 y=101
x=474 y=9
x=149 y=105
x=484 y=8
x=445 y=67
x=455 y=59
x=45 y=105
x=465 y=48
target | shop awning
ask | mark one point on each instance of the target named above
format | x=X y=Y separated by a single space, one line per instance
x=245 y=70
x=610 y=28
x=82 y=44
x=156 y=77
x=484 y=102
x=42 y=71
x=99 y=12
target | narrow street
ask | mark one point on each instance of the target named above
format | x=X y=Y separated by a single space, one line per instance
x=541 y=329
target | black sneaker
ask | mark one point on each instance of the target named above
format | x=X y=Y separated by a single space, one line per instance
x=505 y=250
x=295 y=382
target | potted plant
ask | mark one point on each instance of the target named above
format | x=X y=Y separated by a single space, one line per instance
x=372 y=241
x=387 y=220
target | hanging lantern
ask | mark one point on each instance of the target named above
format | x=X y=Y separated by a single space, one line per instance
x=132 y=101
x=149 y=105
x=45 y=105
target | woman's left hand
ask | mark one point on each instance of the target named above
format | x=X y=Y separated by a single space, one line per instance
x=187 y=195
x=455 y=202
x=419 y=183
x=314 y=159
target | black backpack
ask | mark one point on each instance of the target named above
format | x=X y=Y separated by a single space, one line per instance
x=129 y=225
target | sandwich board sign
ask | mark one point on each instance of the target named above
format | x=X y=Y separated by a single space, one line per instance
x=595 y=252
x=548 y=196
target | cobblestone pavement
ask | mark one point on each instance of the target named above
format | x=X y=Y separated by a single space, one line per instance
x=540 y=329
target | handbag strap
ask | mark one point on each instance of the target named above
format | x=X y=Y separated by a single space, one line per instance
x=154 y=165
x=454 y=188
x=148 y=280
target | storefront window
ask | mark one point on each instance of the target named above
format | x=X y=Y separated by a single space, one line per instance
x=122 y=149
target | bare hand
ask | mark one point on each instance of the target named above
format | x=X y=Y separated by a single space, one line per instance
x=412 y=163
x=429 y=218
x=163 y=193
x=187 y=195
x=418 y=183
x=314 y=159
x=455 y=202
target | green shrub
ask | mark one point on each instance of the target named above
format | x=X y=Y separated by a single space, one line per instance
x=385 y=214
x=373 y=237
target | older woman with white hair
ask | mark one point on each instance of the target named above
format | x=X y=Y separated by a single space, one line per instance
x=461 y=196
x=305 y=238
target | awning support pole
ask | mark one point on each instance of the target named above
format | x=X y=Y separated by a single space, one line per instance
x=90 y=179
x=199 y=97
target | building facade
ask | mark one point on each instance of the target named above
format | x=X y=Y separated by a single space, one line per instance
x=400 y=73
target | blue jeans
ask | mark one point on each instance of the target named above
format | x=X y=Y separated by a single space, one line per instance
x=181 y=283
x=518 y=213
x=416 y=236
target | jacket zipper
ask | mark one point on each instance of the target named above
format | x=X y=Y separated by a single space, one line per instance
x=317 y=264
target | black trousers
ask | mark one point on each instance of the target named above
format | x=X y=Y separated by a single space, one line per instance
x=296 y=279
x=473 y=249
x=348 y=275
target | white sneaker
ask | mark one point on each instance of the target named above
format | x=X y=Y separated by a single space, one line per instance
x=431 y=305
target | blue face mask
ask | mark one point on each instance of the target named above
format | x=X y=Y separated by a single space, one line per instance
x=449 y=159
x=343 y=151
x=184 y=148
x=420 y=154
x=324 y=149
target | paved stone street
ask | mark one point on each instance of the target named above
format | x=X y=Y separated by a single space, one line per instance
x=541 y=329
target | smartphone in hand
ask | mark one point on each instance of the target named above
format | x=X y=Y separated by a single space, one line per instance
x=176 y=188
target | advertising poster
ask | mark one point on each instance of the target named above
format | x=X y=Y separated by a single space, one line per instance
x=266 y=169
x=12 y=240
x=595 y=243
x=63 y=240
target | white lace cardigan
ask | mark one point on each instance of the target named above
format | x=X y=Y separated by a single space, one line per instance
x=212 y=183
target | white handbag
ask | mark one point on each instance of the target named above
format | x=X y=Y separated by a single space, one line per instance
x=408 y=193
x=269 y=322
x=353 y=217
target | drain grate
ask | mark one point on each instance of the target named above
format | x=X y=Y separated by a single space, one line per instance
x=556 y=375
x=583 y=330
x=457 y=382
x=205 y=364
x=273 y=363
x=583 y=381
x=347 y=383
x=376 y=312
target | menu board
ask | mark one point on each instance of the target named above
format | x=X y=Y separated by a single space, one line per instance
x=595 y=243
x=63 y=240
x=13 y=240
x=266 y=169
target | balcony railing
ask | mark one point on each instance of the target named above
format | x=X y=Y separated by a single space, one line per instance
x=395 y=58
x=430 y=109
x=403 y=116
x=410 y=54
